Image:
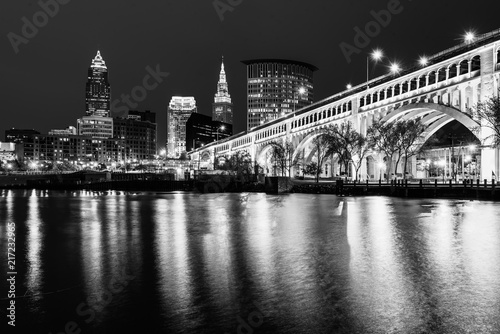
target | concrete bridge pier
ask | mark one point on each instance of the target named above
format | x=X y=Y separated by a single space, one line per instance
x=490 y=158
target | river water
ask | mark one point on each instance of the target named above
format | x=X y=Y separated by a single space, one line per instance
x=115 y=262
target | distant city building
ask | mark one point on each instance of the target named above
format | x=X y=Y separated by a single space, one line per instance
x=97 y=137
x=144 y=116
x=95 y=126
x=71 y=130
x=72 y=148
x=178 y=112
x=222 y=108
x=9 y=151
x=138 y=134
x=98 y=91
x=202 y=130
x=18 y=136
x=276 y=87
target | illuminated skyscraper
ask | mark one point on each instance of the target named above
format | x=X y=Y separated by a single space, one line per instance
x=97 y=100
x=222 y=108
x=178 y=112
x=97 y=122
x=276 y=87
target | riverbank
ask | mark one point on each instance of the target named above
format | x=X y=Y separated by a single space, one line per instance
x=220 y=184
x=488 y=191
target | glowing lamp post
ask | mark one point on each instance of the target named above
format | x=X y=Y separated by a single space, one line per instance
x=301 y=91
x=469 y=37
x=423 y=61
x=376 y=55
x=442 y=163
x=428 y=167
x=222 y=127
x=395 y=68
x=381 y=166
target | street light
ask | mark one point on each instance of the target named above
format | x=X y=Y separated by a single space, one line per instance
x=423 y=61
x=376 y=55
x=469 y=37
x=395 y=68
x=381 y=166
x=301 y=91
x=428 y=167
x=442 y=163
x=222 y=127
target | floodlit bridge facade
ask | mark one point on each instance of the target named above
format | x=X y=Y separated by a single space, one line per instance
x=446 y=89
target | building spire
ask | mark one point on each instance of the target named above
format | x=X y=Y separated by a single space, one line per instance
x=98 y=62
x=222 y=109
x=222 y=75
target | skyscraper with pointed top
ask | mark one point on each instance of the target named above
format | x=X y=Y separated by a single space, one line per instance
x=222 y=108
x=97 y=99
x=97 y=122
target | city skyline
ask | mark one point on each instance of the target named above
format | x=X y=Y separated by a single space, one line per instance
x=237 y=166
x=60 y=64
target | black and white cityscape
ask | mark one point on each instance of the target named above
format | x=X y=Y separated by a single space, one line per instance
x=235 y=166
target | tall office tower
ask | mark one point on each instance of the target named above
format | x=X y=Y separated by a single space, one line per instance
x=222 y=108
x=178 y=112
x=97 y=122
x=276 y=87
x=98 y=92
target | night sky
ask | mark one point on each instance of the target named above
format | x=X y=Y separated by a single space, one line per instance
x=43 y=85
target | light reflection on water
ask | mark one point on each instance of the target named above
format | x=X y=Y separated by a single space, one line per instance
x=206 y=262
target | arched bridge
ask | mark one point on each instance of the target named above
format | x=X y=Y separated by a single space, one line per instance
x=445 y=90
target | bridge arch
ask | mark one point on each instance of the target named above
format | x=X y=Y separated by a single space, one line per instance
x=262 y=150
x=205 y=156
x=421 y=109
x=433 y=115
x=306 y=141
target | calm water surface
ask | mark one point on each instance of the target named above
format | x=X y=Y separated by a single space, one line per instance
x=241 y=263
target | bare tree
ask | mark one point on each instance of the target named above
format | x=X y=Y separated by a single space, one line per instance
x=241 y=163
x=323 y=146
x=349 y=145
x=488 y=113
x=282 y=154
x=359 y=148
x=312 y=169
x=412 y=139
x=382 y=137
x=278 y=156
